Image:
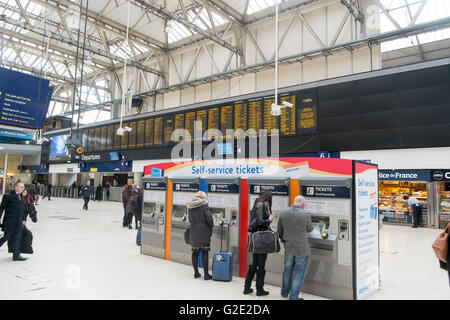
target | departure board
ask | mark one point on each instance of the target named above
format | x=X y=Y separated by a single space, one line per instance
x=103 y=138
x=132 y=135
x=124 y=138
x=270 y=122
x=240 y=116
x=98 y=134
x=158 y=136
x=189 y=124
x=140 y=133
x=213 y=119
x=168 y=129
x=116 y=138
x=226 y=120
x=91 y=139
x=85 y=138
x=254 y=114
x=149 y=131
x=307 y=114
x=202 y=116
x=179 y=123
x=287 y=118
x=110 y=138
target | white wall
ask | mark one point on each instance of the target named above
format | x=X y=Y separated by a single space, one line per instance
x=420 y=158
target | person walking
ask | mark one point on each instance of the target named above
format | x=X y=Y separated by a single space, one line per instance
x=260 y=219
x=86 y=192
x=37 y=192
x=137 y=205
x=127 y=200
x=201 y=220
x=13 y=205
x=30 y=210
x=293 y=225
x=49 y=190
x=98 y=193
x=416 y=207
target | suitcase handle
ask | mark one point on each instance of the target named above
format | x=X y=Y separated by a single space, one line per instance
x=221 y=223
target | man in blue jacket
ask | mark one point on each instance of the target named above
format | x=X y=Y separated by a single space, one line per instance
x=14 y=220
x=86 y=192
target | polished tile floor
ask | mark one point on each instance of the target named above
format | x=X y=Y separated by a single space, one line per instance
x=88 y=255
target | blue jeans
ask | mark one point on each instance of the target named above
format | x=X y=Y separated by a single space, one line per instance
x=293 y=283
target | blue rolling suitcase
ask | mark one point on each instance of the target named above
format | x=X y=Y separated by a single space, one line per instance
x=222 y=265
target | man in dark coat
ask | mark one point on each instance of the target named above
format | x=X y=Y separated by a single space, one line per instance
x=137 y=204
x=86 y=192
x=14 y=220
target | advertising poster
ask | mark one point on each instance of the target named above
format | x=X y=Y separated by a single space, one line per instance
x=366 y=230
x=24 y=99
x=58 y=150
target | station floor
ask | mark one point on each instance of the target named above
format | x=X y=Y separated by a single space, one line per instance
x=88 y=255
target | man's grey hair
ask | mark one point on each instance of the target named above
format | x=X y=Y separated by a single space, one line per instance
x=18 y=183
x=299 y=200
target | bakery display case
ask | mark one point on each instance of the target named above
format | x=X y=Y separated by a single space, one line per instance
x=444 y=208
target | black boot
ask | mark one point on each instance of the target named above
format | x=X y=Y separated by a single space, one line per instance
x=248 y=279
x=260 y=275
x=195 y=264
x=205 y=261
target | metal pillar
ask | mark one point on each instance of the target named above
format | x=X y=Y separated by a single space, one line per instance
x=5 y=173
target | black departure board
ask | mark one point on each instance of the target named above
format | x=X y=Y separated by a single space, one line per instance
x=132 y=135
x=213 y=119
x=287 y=118
x=103 y=138
x=270 y=122
x=124 y=138
x=306 y=114
x=254 y=115
x=85 y=138
x=226 y=120
x=168 y=129
x=140 y=133
x=149 y=131
x=110 y=138
x=240 y=117
x=116 y=137
x=98 y=136
x=189 y=124
x=91 y=139
x=179 y=123
x=202 y=116
x=158 y=136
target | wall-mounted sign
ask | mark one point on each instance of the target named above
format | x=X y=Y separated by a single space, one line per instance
x=186 y=187
x=160 y=185
x=404 y=175
x=223 y=188
x=326 y=192
x=440 y=175
x=277 y=190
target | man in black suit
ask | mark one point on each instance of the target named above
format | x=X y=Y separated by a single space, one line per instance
x=14 y=220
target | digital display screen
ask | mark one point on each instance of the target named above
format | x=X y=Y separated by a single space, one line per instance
x=98 y=133
x=103 y=138
x=179 y=211
x=179 y=123
x=287 y=118
x=240 y=117
x=132 y=135
x=254 y=115
x=85 y=138
x=58 y=150
x=226 y=120
x=124 y=138
x=270 y=122
x=149 y=131
x=158 y=131
x=114 y=156
x=213 y=119
x=307 y=114
x=218 y=215
x=110 y=138
x=203 y=117
x=168 y=129
x=116 y=137
x=140 y=133
x=91 y=139
x=189 y=126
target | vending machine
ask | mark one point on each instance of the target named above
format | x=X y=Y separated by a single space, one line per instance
x=154 y=217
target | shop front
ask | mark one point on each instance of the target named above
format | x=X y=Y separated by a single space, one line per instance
x=394 y=185
x=442 y=200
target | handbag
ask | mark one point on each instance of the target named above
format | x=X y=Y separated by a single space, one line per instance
x=187 y=235
x=263 y=242
x=440 y=245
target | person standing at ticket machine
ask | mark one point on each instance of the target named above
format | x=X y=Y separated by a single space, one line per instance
x=416 y=208
x=202 y=223
x=260 y=219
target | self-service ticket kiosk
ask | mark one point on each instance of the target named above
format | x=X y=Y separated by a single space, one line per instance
x=184 y=190
x=280 y=189
x=330 y=263
x=224 y=202
x=154 y=217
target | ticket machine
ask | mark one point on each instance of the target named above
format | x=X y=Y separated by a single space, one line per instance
x=224 y=202
x=184 y=190
x=280 y=189
x=330 y=263
x=154 y=217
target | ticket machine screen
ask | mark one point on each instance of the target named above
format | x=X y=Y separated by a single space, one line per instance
x=320 y=224
x=179 y=211
x=149 y=207
x=218 y=215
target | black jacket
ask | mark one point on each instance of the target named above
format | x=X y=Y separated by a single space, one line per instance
x=86 y=191
x=259 y=218
x=137 y=203
x=98 y=193
x=201 y=226
x=14 y=212
x=445 y=265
